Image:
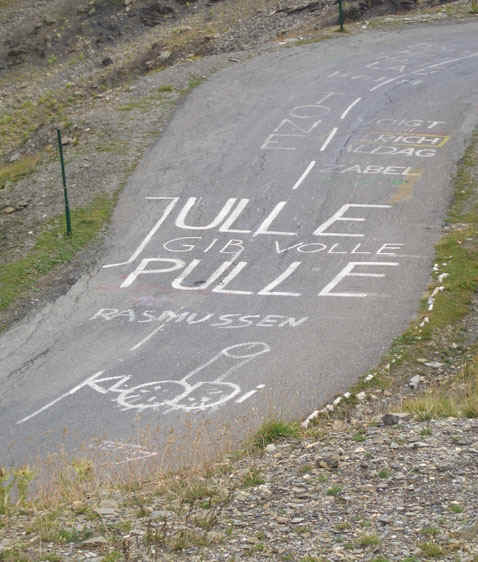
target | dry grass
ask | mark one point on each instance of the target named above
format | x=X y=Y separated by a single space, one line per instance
x=456 y=399
x=17 y=170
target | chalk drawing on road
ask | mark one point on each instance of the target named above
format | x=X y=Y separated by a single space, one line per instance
x=203 y=388
x=424 y=71
x=196 y=391
x=128 y=452
x=405 y=190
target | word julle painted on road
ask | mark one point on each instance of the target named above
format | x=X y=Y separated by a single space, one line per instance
x=341 y=225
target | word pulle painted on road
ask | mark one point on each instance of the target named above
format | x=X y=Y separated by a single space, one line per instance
x=220 y=280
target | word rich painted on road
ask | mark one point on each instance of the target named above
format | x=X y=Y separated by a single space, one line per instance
x=420 y=145
x=203 y=388
x=225 y=278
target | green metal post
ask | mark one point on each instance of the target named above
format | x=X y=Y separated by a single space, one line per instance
x=65 y=192
x=341 y=15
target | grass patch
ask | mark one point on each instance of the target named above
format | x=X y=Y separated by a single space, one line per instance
x=14 y=555
x=274 y=430
x=334 y=491
x=252 y=478
x=54 y=248
x=456 y=399
x=368 y=540
x=18 y=170
x=430 y=531
x=145 y=103
x=431 y=550
x=359 y=437
x=18 y=124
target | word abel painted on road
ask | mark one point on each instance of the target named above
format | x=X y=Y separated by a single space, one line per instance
x=203 y=388
x=372 y=170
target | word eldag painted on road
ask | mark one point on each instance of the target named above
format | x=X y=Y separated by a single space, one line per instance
x=203 y=388
x=420 y=145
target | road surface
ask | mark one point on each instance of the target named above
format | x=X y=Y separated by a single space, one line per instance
x=262 y=258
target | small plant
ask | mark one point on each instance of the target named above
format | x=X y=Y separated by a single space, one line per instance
x=195 y=82
x=252 y=478
x=334 y=491
x=83 y=469
x=368 y=540
x=426 y=432
x=6 y=485
x=18 y=170
x=166 y=88
x=74 y=535
x=456 y=508
x=112 y=557
x=431 y=549
x=20 y=479
x=384 y=473
x=274 y=430
x=14 y=555
x=430 y=531
x=359 y=436
x=305 y=469
x=207 y=522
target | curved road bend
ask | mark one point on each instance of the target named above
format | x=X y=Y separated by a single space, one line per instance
x=263 y=256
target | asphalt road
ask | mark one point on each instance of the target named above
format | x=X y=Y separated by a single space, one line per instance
x=262 y=257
